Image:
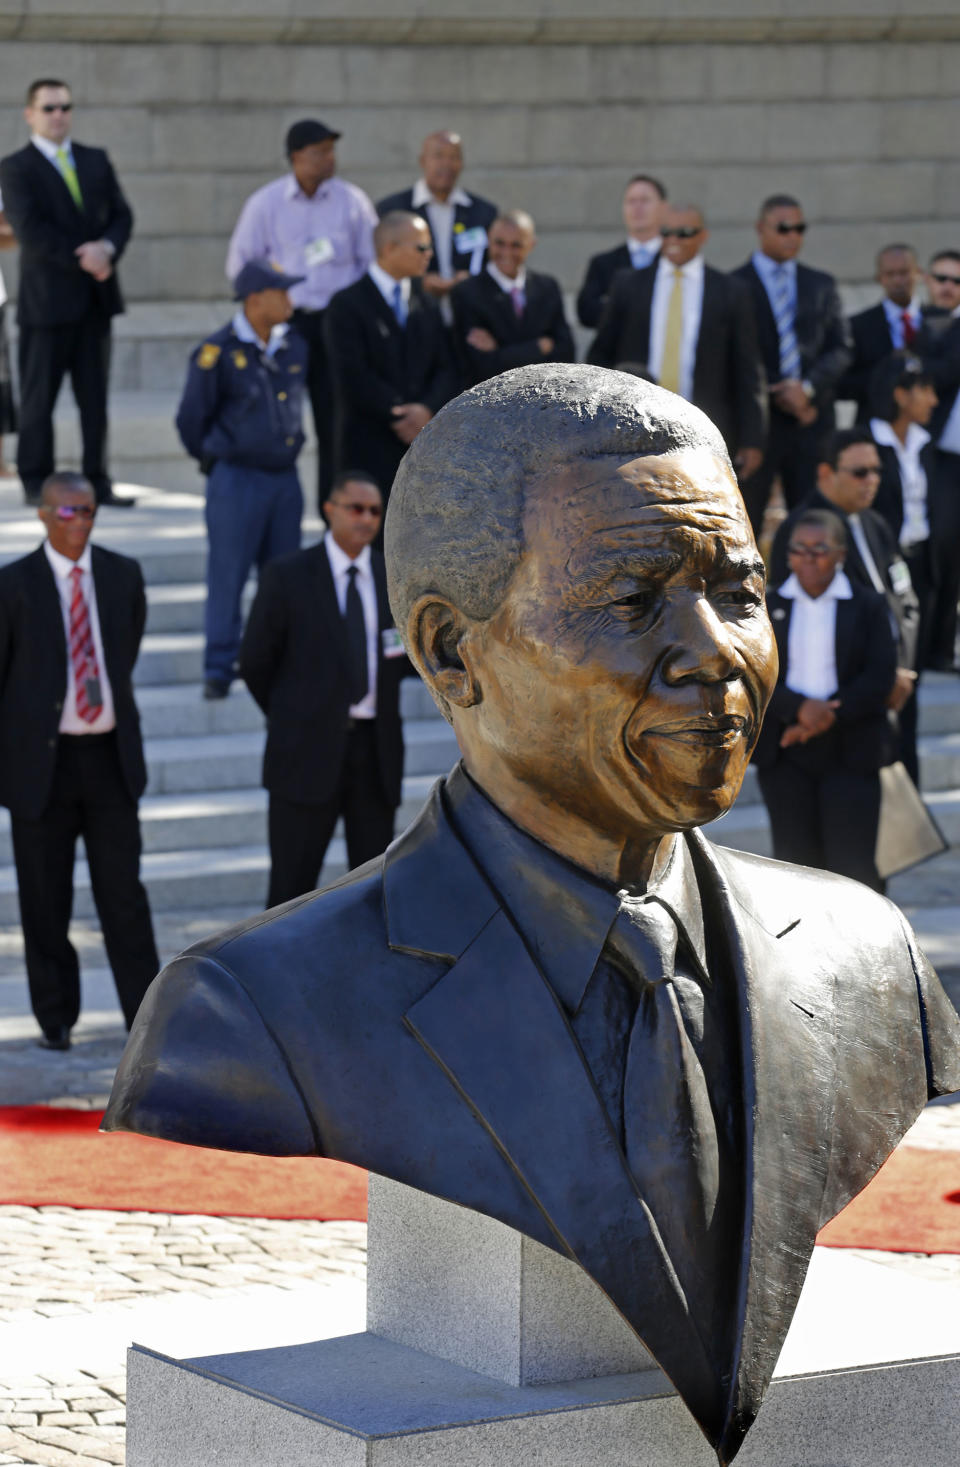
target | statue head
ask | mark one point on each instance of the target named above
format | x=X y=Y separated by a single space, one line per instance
x=574 y=575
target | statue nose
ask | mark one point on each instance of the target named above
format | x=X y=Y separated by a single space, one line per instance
x=701 y=648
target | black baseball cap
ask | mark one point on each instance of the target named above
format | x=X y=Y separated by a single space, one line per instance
x=302 y=134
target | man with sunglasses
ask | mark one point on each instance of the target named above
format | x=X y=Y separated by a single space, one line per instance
x=322 y=658
x=71 y=756
x=391 y=363
x=805 y=346
x=691 y=328
x=73 y=224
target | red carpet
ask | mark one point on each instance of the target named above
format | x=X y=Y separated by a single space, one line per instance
x=911 y=1206
x=49 y=1155
x=53 y=1156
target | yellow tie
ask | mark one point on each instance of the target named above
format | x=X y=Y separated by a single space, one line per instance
x=70 y=176
x=670 y=365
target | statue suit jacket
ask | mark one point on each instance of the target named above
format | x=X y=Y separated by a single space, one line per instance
x=396 y=1020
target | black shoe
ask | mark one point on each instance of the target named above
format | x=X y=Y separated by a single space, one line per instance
x=114 y=501
x=58 y=1038
x=214 y=688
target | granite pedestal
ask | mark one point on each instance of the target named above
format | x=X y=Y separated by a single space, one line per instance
x=484 y=1348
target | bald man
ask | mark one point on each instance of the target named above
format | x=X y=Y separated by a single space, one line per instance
x=893 y=324
x=458 y=221
x=390 y=359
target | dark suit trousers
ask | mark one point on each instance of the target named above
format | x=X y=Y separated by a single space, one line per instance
x=300 y=834
x=46 y=355
x=822 y=815
x=946 y=560
x=793 y=452
x=88 y=798
x=320 y=387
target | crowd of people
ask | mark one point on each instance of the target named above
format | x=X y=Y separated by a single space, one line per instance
x=379 y=315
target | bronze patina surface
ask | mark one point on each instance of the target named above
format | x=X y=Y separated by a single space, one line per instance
x=553 y=1000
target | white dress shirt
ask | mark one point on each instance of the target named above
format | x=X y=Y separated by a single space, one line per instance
x=692 y=273
x=440 y=214
x=504 y=281
x=340 y=564
x=913 y=477
x=812 y=640
x=70 y=720
x=387 y=286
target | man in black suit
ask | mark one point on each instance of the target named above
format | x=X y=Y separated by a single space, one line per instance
x=390 y=359
x=322 y=658
x=508 y=316
x=71 y=759
x=893 y=324
x=691 y=329
x=826 y=734
x=573 y=573
x=643 y=201
x=939 y=346
x=805 y=348
x=847 y=482
x=458 y=221
x=73 y=223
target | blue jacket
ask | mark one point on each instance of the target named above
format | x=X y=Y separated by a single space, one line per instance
x=242 y=406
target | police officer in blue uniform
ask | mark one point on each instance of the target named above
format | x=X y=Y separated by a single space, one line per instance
x=241 y=417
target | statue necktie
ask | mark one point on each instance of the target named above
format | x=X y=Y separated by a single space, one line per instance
x=69 y=174
x=356 y=639
x=83 y=656
x=669 y=1126
x=672 y=337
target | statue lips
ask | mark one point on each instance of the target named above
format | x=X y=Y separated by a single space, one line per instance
x=725 y=732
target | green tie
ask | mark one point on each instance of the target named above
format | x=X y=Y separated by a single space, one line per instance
x=70 y=176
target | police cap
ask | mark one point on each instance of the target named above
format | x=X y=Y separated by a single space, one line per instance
x=262 y=275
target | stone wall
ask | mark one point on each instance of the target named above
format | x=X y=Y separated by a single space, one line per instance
x=854 y=109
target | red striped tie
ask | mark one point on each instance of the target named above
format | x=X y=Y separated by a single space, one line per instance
x=82 y=654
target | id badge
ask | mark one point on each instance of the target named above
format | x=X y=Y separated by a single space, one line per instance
x=91 y=687
x=317 y=252
x=391 y=644
x=900 y=578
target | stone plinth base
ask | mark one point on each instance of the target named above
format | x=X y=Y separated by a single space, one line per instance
x=362 y=1401
x=486 y=1349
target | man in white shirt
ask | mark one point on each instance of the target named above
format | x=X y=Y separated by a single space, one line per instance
x=692 y=329
x=643 y=205
x=458 y=221
x=893 y=324
x=322 y=659
x=71 y=756
x=825 y=735
x=72 y=223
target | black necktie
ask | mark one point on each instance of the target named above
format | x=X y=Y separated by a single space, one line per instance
x=669 y=1126
x=356 y=639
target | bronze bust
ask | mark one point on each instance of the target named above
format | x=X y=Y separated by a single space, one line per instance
x=553 y=1000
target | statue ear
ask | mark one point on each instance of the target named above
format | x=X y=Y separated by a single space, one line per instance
x=436 y=629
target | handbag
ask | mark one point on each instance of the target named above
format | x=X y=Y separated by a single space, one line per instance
x=907 y=833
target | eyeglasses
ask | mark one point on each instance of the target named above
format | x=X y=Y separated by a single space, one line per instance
x=867 y=472
x=68 y=512
x=681 y=233
x=783 y=228
x=358 y=509
x=57 y=107
x=811 y=552
x=944 y=279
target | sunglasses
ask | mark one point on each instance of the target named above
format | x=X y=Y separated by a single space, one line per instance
x=811 y=552
x=68 y=512
x=945 y=279
x=358 y=509
x=57 y=107
x=860 y=473
x=681 y=233
x=782 y=228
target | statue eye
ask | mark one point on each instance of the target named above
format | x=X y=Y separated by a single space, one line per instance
x=639 y=604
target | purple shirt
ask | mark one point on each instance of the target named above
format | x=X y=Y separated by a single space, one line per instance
x=328 y=238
